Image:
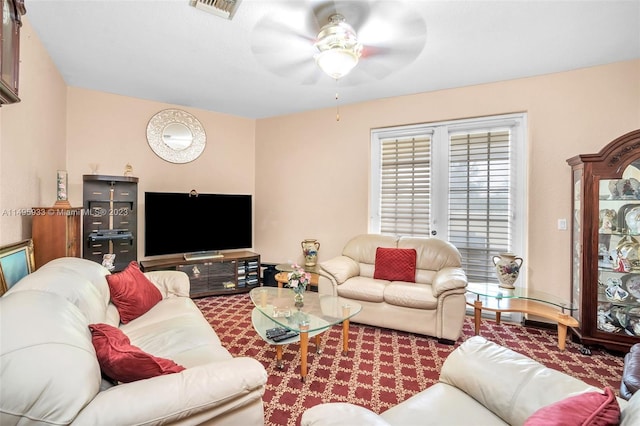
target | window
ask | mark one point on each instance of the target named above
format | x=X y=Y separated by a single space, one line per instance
x=462 y=181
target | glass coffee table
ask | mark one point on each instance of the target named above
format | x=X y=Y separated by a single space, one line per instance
x=492 y=297
x=274 y=307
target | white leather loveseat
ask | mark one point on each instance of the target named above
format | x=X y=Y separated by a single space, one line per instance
x=49 y=373
x=483 y=383
x=430 y=301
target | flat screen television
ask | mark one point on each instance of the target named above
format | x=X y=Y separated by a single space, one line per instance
x=183 y=223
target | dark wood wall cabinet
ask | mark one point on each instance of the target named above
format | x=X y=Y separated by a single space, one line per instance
x=606 y=244
x=235 y=272
x=110 y=222
x=12 y=10
x=56 y=233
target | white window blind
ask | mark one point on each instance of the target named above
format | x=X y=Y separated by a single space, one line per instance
x=405 y=185
x=461 y=181
x=480 y=199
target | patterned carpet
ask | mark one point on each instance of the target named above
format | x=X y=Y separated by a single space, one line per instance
x=384 y=367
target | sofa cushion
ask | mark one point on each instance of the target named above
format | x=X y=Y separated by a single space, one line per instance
x=432 y=253
x=132 y=292
x=124 y=362
x=79 y=286
x=362 y=288
x=417 y=296
x=48 y=366
x=589 y=408
x=362 y=248
x=155 y=332
x=394 y=264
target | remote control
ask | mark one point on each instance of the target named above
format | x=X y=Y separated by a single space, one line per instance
x=273 y=332
x=288 y=335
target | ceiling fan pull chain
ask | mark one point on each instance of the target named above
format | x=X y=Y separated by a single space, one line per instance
x=337 y=103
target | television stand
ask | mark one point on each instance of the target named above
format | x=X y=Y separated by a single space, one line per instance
x=229 y=273
x=203 y=255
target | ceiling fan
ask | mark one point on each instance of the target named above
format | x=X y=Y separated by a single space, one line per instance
x=354 y=40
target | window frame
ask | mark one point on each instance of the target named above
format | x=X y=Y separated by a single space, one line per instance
x=440 y=133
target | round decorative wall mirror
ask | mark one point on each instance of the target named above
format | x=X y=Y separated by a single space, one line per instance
x=176 y=136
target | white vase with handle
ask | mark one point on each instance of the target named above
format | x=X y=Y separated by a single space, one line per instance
x=507 y=268
x=310 y=249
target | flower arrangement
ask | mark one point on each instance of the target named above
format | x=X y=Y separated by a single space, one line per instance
x=298 y=279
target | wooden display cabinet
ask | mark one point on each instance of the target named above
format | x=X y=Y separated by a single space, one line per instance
x=235 y=272
x=606 y=244
x=110 y=223
x=55 y=233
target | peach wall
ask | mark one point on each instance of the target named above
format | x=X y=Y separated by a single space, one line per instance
x=32 y=138
x=308 y=172
x=111 y=130
x=313 y=174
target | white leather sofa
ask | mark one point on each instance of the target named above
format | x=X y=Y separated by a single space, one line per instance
x=433 y=305
x=49 y=373
x=481 y=383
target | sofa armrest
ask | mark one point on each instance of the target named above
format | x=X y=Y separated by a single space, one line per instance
x=511 y=385
x=200 y=393
x=341 y=268
x=170 y=283
x=630 y=382
x=446 y=279
x=339 y=414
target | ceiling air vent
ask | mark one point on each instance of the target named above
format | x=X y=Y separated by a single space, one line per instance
x=223 y=8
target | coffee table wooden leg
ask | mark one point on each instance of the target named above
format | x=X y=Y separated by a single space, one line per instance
x=304 y=348
x=318 y=348
x=562 y=336
x=564 y=320
x=279 y=363
x=477 y=314
x=498 y=317
x=345 y=337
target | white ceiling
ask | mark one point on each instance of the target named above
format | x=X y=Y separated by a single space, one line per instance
x=168 y=51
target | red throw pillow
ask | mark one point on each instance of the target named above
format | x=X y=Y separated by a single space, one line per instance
x=122 y=361
x=395 y=264
x=586 y=409
x=132 y=292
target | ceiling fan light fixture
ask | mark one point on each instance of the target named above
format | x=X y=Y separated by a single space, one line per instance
x=339 y=47
x=337 y=62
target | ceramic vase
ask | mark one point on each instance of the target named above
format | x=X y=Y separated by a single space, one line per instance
x=61 y=185
x=310 y=249
x=507 y=268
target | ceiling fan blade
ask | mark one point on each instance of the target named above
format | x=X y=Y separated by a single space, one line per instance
x=393 y=37
x=355 y=12
x=391 y=23
x=275 y=30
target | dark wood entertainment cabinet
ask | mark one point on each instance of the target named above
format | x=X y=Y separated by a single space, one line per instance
x=235 y=272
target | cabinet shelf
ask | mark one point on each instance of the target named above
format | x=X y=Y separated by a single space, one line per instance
x=235 y=272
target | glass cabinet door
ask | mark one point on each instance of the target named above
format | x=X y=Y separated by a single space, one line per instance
x=618 y=296
x=576 y=258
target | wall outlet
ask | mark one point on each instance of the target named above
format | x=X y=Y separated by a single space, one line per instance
x=562 y=224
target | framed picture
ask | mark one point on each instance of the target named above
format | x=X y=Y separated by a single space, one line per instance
x=16 y=262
